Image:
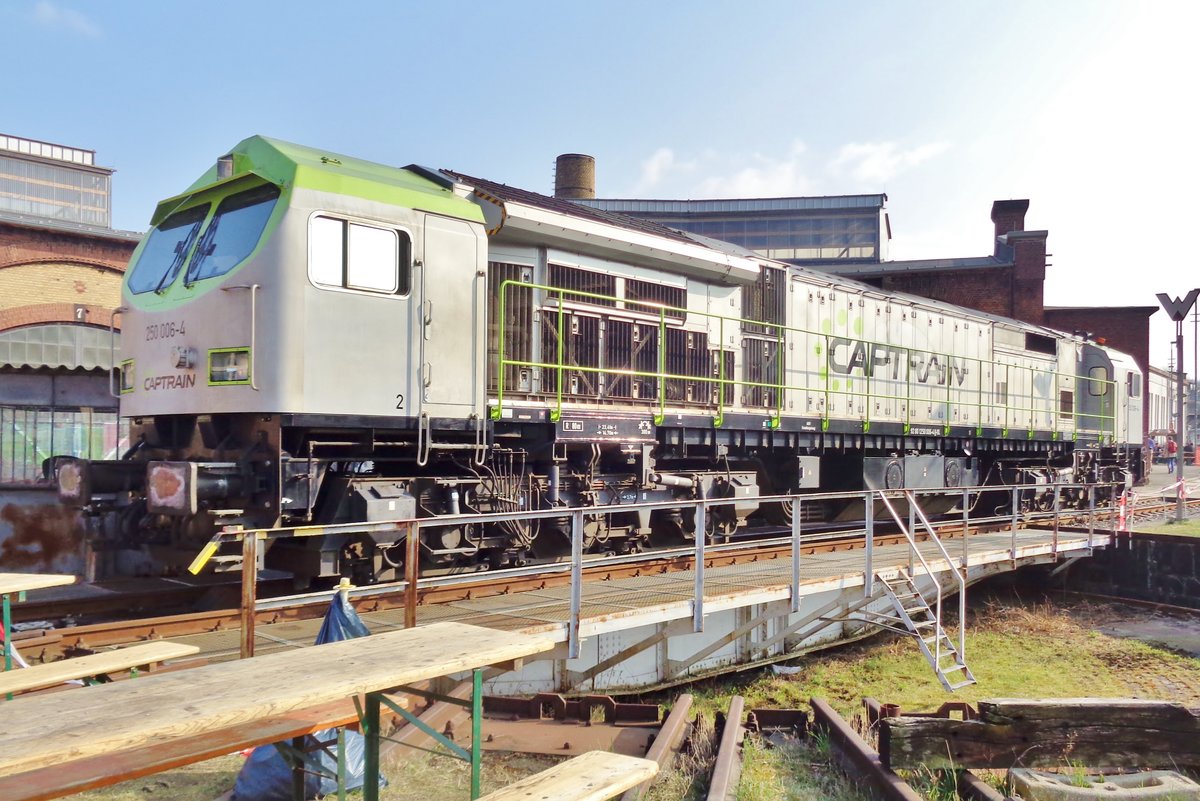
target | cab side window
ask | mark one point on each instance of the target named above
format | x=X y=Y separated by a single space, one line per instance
x=350 y=255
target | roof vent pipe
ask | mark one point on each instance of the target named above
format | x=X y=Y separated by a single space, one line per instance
x=575 y=176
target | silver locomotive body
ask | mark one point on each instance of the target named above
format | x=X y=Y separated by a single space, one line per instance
x=310 y=340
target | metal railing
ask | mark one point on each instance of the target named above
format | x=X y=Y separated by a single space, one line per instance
x=1031 y=397
x=699 y=550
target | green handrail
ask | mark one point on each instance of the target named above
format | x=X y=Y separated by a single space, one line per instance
x=780 y=385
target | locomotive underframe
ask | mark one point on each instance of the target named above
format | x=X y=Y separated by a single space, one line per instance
x=262 y=471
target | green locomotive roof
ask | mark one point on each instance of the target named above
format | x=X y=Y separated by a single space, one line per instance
x=286 y=164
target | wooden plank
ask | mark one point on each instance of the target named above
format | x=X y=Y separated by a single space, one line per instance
x=593 y=776
x=53 y=729
x=102 y=771
x=11 y=583
x=1072 y=711
x=51 y=673
x=1097 y=732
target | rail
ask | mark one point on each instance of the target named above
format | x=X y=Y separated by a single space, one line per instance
x=699 y=550
x=1029 y=397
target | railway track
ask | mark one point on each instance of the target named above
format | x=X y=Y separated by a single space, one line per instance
x=58 y=635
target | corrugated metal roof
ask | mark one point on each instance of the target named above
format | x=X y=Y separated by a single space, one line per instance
x=510 y=193
x=97 y=231
x=916 y=265
x=58 y=346
x=726 y=205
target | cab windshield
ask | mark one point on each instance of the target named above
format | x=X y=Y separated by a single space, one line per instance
x=233 y=233
x=165 y=250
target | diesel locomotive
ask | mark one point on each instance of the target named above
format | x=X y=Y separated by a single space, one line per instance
x=309 y=338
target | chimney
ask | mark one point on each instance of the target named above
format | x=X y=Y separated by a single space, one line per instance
x=575 y=177
x=1008 y=215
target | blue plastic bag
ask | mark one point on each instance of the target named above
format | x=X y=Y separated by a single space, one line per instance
x=267 y=776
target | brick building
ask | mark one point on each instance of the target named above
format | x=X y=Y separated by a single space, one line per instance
x=60 y=278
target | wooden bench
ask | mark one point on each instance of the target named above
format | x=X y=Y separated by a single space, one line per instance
x=14 y=583
x=594 y=776
x=128 y=728
x=49 y=674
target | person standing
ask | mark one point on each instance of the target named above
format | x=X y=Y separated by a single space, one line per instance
x=1172 y=450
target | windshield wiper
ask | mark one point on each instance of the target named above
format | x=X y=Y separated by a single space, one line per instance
x=205 y=249
x=181 y=249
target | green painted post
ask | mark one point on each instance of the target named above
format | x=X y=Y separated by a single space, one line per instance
x=7 y=639
x=557 y=413
x=341 y=766
x=370 y=725
x=719 y=420
x=501 y=327
x=662 y=367
x=476 y=731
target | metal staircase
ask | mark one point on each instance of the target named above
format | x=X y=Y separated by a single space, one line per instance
x=914 y=615
x=924 y=623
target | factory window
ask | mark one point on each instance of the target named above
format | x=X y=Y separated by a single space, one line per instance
x=165 y=250
x=354 y=256
x=29 y=435
x=233 y=232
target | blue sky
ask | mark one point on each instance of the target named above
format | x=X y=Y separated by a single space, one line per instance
x=1086 y=108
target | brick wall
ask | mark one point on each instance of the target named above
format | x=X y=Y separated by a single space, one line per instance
x=1162 y=568
x=988 y=290
x=59 y=277
x=1126 y=328
x=19 y=245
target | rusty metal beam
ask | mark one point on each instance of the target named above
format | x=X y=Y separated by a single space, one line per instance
x=973 y=788
x=667 y=744
x=579 y=709
x=249 y=594
x=727 y=767
x=860 y=757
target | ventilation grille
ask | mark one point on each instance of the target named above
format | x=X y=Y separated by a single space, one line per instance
x=518 y=326
x=584 y=281
x=649 y=298
x=766 y=302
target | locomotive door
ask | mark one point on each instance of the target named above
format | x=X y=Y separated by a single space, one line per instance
x=450 y=319
x=1096 y=399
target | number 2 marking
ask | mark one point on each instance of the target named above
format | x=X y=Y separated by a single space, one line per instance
x=399 y=400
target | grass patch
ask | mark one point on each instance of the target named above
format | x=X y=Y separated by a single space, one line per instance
x=420 y=777
x=1015 y=650
x=793 y=771
x=1186 y=528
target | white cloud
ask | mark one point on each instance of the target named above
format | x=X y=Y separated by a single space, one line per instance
x=654 y=169
x=765 y=176
x=53 y=16
x=710 y=174
x=878 y=162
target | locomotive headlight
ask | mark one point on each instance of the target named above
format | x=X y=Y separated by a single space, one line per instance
x=74 y=489
x=229 y=366
x=171 y=488
x=183 y=357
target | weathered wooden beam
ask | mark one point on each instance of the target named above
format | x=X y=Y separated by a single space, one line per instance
x=1096 y=732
